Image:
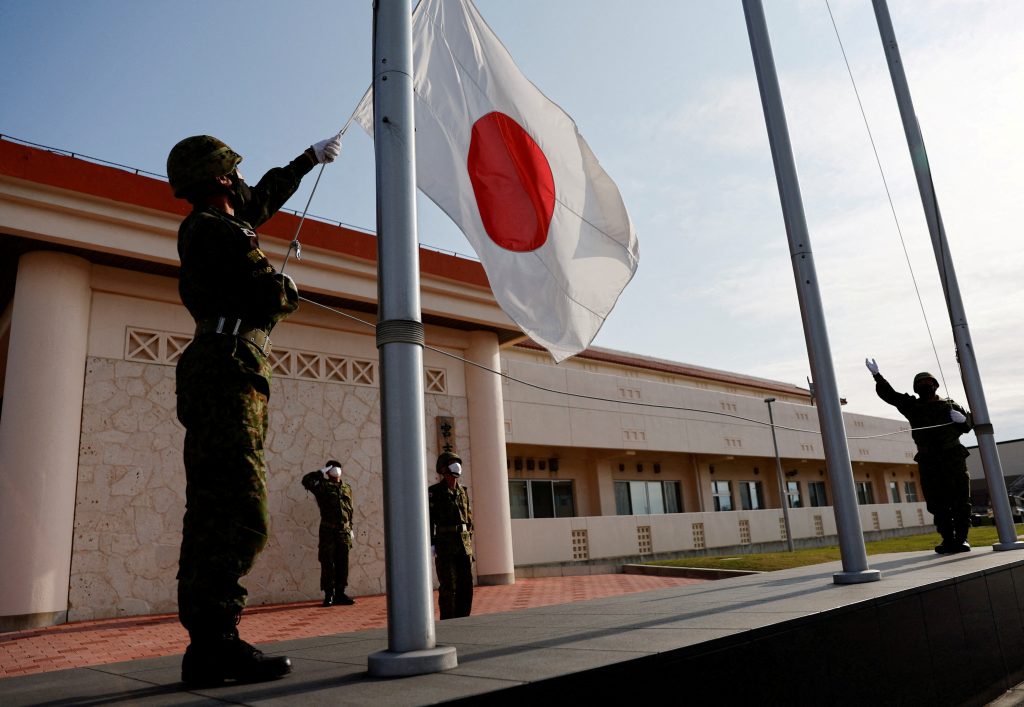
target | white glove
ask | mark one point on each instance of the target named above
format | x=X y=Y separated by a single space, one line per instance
x=326 y=151
x=872 y=366
x=351 y=535
x=957 y=416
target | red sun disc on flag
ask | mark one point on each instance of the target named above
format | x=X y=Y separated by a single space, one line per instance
x=512 y=182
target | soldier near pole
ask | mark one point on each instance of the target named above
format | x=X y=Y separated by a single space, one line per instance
x=223 y=386
x=451 y=535
x=334 y=498
x=941 y=460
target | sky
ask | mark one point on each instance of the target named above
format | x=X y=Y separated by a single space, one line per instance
x=665 y=93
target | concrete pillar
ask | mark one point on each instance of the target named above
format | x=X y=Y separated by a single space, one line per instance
x=605 y=483
x=491 y=517
x=39 y=437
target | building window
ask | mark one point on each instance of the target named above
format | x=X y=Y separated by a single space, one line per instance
x=865 y=494
x=910 y=491
x=816 y=493
x=793 y=494
x=894 y=491
x=647 y=497
x=530 y=498
x=751 y=497
x=721 y=493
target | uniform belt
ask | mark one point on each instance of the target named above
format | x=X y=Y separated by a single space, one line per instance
x=451 y=528
x=235 y=327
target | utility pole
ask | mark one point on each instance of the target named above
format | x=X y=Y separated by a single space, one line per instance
x=778 y=473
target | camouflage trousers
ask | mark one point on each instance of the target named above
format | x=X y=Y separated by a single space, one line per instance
x=226 y=522
x=947 y=493
x=333 y=555
x=455 y=585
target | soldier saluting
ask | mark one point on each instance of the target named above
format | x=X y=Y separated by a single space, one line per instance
x=223 y=385
x=941 y=459
x=334 y=498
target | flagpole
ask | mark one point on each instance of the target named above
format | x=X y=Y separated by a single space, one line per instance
x=954 y=303
x=411 y=644
x=830 y=416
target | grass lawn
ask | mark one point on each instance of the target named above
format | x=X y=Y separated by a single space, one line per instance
x=982 y=536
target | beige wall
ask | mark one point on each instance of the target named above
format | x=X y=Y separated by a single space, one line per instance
x=130 y=497
x=558 y=541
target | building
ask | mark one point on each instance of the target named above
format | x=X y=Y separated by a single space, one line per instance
x=1011 y=458
x=606 y=457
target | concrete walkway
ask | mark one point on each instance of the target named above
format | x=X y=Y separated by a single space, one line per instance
x=722 y=642
x=89 y=643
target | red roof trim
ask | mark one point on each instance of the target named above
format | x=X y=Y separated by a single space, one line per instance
x=43 y=167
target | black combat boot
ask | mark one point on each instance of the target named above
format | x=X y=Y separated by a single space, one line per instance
x=328 y=599
x=213 y=658
x=960 y=528
x=343 y=599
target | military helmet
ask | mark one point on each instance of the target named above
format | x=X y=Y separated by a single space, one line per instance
x=445 y=459
x=925 y=375
x=198 y=159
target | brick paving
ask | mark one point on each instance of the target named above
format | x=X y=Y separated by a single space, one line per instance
x=114 y=640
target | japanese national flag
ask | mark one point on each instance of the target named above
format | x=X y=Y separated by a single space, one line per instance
x=511 y=169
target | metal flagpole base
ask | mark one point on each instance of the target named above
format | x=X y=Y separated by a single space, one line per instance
x=862 y=577
x=1016 y=545
x=388 y=664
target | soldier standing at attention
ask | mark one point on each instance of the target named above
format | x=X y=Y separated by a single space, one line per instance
x=334 y=497
x=451 y=535
x=223 y=384
x=941 y=459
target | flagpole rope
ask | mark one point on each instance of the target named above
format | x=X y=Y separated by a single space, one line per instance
x=888 y=195
x=295 y=245
x=581 y=396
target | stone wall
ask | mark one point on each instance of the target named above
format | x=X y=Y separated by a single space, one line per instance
x=131 y=487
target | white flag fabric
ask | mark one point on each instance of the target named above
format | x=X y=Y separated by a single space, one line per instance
x=511 y=169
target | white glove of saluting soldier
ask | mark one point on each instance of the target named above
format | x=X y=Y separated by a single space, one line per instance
x=957 y=416
x=326 y=151
x=872 y=366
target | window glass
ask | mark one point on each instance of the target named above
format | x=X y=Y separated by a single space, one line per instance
x=543 y=501
x=623 y=507
x=910 y=491
x=865 y=494
x=564 y=506
x=721 y=493
x=672 y=501
x=750 y=496
x=816 y=493
x=793 y=494
x=894 y=491
x=638 y=496
x=655 y=497
x=518 y=502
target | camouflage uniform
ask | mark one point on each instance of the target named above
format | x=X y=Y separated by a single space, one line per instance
x=941 y=459
x=335 y=502
x=223 y=385
x=451 y=534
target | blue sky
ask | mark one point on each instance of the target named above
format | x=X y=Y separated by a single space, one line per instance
x=664 y=91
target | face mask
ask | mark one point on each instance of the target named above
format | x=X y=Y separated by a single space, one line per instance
x=455 y=469
x=241 y=194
